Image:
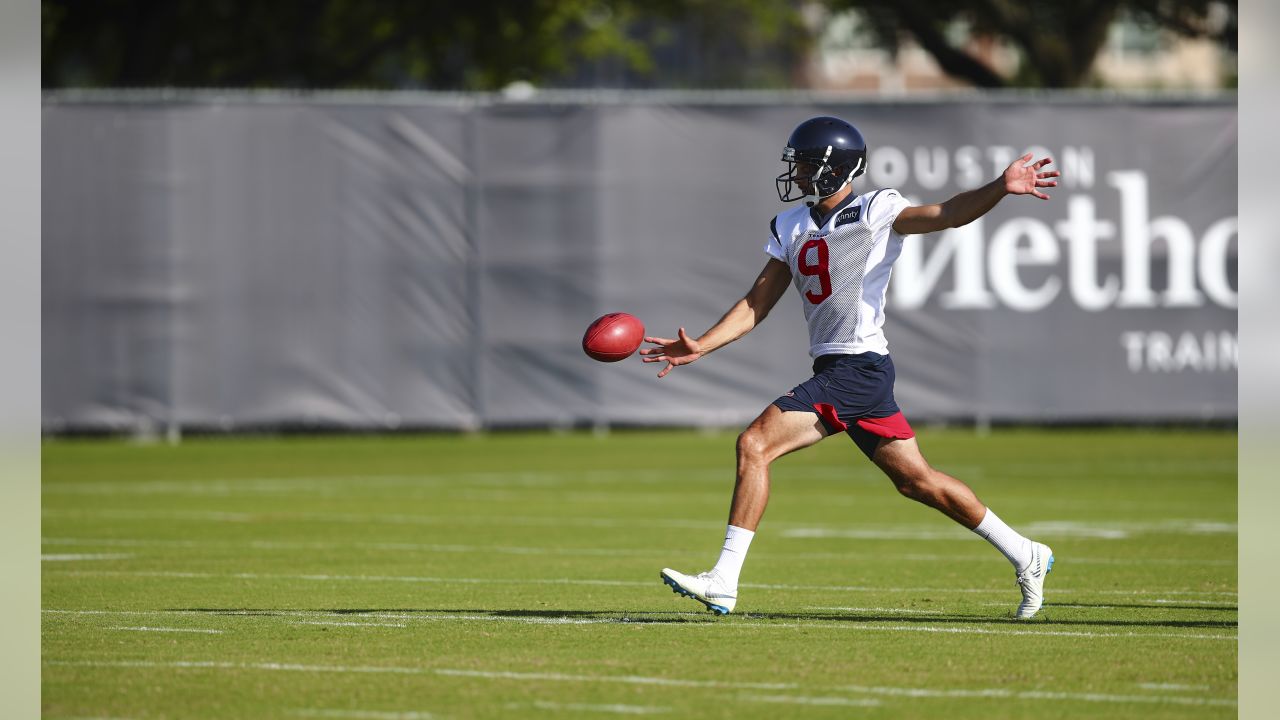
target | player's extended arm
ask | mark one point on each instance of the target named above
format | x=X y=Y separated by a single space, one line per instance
x=741 y=319
x=1019 y=179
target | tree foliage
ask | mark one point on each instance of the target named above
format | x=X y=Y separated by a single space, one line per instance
x=613 y=43
x=1058 y=41
x=400 y=43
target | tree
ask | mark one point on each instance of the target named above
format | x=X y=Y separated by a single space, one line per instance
x=1058 y=40
x=432 y=44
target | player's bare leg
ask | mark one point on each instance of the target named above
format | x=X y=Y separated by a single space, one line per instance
x=770 y=436
x=902 y=461
x=915 y=478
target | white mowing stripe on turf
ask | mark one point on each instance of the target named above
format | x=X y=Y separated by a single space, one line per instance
x=196 y=515
x=877 y=609
x=389 y=546
x=330 y=484
x=1171 y=686
x=589 y=552
x=1158 y=601
x=1075 y=559
x=350 y=624
x=361 y=714
x=637 y=680
x=350 y=578
x=425 y=617
x=948 y=630
x=283 y=485
x=1036 y=695
x=93 y=556
x=854 y=627
x=383 y=519
x=578 y=581
x=615 y=708
x=811 y=700
x=169 y=629
x=841 y=472
x=445 y=672
x=645 y=621
x=792 y=530
x=1102 y=531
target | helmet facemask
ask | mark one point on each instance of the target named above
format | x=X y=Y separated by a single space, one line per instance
x=825 y=181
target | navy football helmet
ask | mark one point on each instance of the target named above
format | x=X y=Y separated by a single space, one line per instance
x=833 y=148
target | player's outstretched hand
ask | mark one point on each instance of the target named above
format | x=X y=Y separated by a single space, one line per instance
x=1023 y=179
x=673 y=352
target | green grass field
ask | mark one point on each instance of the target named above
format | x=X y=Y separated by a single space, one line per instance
x=517 y=575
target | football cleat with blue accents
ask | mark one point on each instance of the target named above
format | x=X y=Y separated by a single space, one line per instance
x=1031 y=580
x=707 y=588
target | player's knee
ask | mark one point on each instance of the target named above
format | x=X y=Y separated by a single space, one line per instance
x=752 y=446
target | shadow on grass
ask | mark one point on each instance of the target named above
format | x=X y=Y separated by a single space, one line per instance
x=678 y=618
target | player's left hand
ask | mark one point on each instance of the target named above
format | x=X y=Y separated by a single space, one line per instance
x=1023 y=179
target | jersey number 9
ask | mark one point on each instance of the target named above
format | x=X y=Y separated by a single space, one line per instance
x=817 y=269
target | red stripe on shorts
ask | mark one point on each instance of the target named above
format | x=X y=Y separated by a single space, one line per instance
x=828 y=413
x=894 y=426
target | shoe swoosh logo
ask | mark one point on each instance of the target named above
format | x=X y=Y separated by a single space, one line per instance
x=718 y=596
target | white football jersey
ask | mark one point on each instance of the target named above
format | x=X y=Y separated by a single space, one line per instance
x=841 y=268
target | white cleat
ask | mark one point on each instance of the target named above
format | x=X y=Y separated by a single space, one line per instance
x=707 y=588
x=1031 y=580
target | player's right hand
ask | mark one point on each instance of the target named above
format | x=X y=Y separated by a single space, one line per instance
x=673 y=352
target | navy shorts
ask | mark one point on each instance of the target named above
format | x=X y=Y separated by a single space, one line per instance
x=852 y=394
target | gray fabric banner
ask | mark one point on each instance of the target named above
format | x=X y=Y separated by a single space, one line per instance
x=225 y=263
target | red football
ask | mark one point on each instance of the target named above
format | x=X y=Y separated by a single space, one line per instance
x=613 y=337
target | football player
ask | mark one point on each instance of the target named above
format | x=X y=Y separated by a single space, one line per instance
x=837 y=249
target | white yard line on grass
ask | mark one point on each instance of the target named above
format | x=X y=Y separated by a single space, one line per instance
x=877 y=609
x=932 y=531
x=350 y=578
x=523 y=478
x=1036 y=695
x=350 y=624
x=227 y=487
x=615 y=709
x=388 y=546
x=322 y=577
x=745 y=625
x=586 y=552
x=444 y=672
x=1097 y=531
x=1172 y=686
x=949 y=630
x=94 y=556
x=168 y=629
x=424 y=617
x=114 y=514
x=908 y=692
x=383 y=519
x=811 y=700
x=1157 y=601
x=361 y=714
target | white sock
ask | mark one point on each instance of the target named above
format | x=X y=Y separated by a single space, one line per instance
x=734 y=552
x=1006 y=539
